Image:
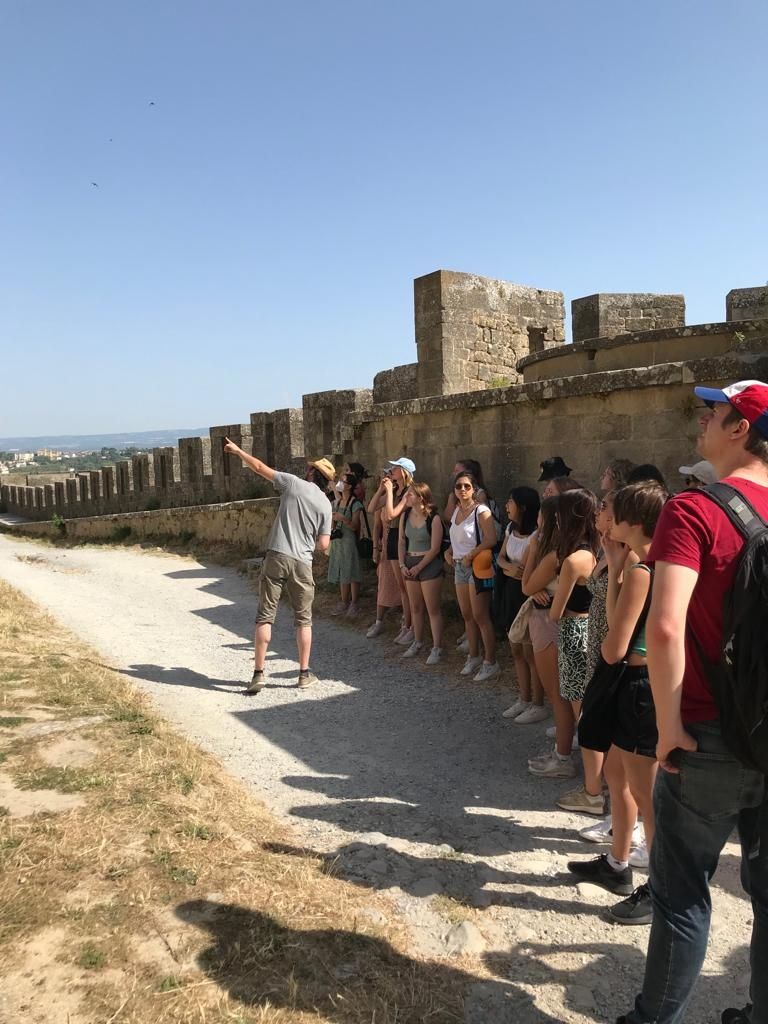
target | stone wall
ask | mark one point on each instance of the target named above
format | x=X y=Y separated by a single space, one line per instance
x=240 y=524
x=396 y=385
x=607 y=315
x=645 y=414
x=603 y=396
x=471 y=331
x=747 y=304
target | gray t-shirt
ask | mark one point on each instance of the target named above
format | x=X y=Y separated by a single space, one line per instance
x=303 y=515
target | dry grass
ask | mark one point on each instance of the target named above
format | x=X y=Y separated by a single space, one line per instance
x=157 y=900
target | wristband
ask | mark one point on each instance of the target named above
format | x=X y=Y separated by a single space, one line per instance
x=403 y=565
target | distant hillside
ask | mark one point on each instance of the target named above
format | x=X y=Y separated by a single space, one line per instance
x=94 y=442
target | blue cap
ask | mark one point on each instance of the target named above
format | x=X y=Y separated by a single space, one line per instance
x=407 y=464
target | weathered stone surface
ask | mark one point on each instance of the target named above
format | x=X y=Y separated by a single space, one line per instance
x=628 y=395
x=747 y=304
x=397 y=384
x=606 y=315
x=471 y=331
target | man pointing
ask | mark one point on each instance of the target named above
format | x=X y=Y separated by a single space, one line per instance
x=301 y=527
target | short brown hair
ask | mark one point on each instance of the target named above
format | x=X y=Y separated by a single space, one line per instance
x=640 y=504
x=424 y=494
x=755 y=443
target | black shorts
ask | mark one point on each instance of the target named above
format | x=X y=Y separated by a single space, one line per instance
x=635 y=729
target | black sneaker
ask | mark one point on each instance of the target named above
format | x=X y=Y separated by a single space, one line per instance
x=257 y=683
x=734 y=1016
x=600 y=872
x=635 y=909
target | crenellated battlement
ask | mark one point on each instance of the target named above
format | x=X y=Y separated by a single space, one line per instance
x=494 y=379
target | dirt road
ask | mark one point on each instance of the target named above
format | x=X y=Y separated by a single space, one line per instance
x=409 y=777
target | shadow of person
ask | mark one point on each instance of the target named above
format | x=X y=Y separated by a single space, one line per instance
x=344 y=976
x=462 y=881
x=177 y=675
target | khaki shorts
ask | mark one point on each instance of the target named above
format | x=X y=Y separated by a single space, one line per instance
x=278 y=572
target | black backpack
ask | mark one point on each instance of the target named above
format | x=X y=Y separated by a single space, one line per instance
x=739 y=680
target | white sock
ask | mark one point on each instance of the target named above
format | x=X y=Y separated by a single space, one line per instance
x=617 y=865
x=562 y=757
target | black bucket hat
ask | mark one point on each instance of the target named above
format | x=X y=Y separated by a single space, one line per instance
x=553 y=468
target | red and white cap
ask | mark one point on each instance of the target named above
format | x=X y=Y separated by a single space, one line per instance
x=748 y=397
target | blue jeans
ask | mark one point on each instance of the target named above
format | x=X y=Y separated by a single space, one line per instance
x=696 y=811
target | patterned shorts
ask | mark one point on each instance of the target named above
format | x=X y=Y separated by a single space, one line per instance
x=572 y=656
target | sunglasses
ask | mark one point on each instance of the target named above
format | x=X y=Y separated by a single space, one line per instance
x=463 y=487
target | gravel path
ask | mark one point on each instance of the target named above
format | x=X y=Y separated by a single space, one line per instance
x=408 y=776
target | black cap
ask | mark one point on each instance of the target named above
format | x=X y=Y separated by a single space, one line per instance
x=553 y=468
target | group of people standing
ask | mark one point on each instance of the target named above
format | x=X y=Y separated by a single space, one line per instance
x=614 y=611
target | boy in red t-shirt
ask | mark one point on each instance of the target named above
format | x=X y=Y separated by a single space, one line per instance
x=704 y=792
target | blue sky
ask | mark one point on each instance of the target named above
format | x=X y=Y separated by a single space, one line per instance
x=255 y=233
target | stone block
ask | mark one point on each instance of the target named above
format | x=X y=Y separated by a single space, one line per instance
x=396 y=385
x=458 y=317
x=123 y=476
x=191 y=462
x=606 y=315
x=71 y=488
x=141 y=473
x=107 y=483
x=747 y=304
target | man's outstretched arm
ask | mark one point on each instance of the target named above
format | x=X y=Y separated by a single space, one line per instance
x=251 y=462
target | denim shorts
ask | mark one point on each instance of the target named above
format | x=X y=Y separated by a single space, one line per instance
x=462 y=574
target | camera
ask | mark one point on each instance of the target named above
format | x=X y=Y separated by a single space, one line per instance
x=337 y=532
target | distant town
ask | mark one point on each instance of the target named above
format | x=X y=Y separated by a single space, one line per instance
x=49 y=460
x=66 y=454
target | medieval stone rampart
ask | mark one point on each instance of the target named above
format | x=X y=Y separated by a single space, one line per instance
x=494 y=381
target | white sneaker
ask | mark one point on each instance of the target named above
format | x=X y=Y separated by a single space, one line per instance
x=404 y=638
x=488 y=670
x=462 y=640
x=375 y=629
x=554 y=768
x=471 y=665
x=599 y=833
x=517 y=709
x=638 y=856
x=534 y=713
x=434 y=656
x=463 y=647
x=413 y=650
x=546 y=755
x=603 y=831
x=551 y=732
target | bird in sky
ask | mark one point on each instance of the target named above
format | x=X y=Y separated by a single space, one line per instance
x=95 y=184
x=151 y=103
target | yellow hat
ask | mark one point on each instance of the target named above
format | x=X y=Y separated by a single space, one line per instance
x=326 y=467
x=482 y=565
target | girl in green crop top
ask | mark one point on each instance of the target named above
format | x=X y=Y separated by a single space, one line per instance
x=630 y=767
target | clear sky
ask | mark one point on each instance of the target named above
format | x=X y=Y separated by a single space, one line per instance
x=272 y=176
